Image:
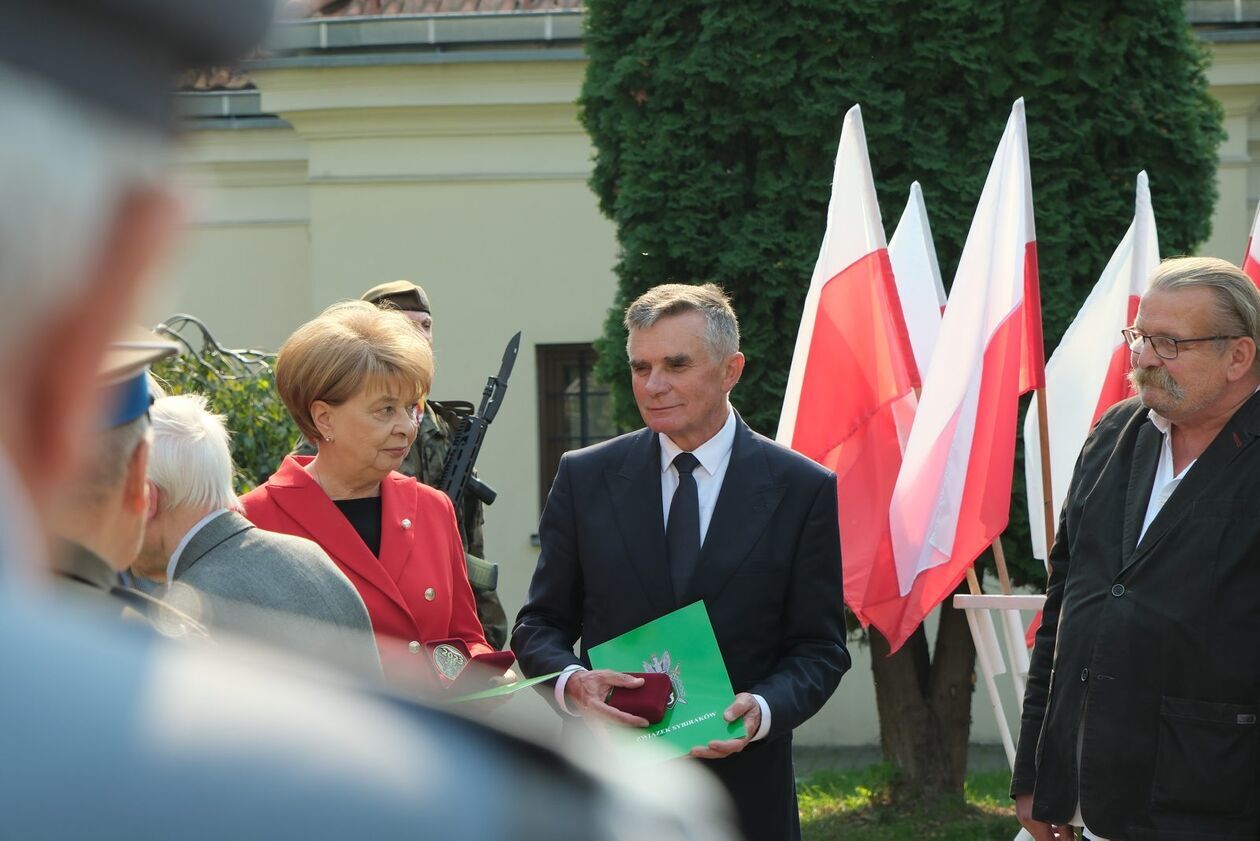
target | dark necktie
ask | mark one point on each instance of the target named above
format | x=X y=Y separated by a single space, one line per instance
x=682 y=532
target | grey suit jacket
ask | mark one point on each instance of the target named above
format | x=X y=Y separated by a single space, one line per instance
x=280 y=589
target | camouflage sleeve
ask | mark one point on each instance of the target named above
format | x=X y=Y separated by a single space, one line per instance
x=471 y=521
x=425 y=462
x=428 y=453
x=493 y=618
x=413 y=464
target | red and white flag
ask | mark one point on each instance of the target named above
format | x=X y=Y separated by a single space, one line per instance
x=1088 y=372
x=918 y=275
x=850 y=392
x=952 y=496
x=1251 y=260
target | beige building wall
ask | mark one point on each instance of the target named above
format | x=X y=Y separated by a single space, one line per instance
x=470 y=178
x=1235 y=80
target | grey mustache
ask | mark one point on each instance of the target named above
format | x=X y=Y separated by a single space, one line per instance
x=1157 y=377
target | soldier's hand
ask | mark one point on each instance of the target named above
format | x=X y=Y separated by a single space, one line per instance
x=587 y=693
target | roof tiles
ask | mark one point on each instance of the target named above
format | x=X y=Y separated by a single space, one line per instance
x=358 y=8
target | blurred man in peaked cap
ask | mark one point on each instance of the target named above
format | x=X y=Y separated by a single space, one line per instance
x=100 y=520
x=112 y=733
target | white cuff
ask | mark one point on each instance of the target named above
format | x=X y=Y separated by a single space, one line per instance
x=563 y=680
x=764 y=729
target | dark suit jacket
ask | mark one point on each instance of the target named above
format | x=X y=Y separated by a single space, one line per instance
x=1158 y=642
x=278 y=588
x=769 y=574
x=416 y=591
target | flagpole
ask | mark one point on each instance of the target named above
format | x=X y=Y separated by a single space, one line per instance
x=1047 y=497
x=999 y=560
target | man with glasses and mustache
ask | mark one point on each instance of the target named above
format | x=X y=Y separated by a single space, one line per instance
x=1140 y=713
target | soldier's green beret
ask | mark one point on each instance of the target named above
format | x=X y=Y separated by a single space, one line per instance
x=402 y=294
x=124 y=55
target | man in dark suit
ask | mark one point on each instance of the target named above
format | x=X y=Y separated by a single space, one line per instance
x=1139 y=718
x=751 y=530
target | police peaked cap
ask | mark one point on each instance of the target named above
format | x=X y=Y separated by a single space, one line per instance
x=124 y=374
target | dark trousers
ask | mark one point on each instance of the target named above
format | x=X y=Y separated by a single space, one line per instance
x=762 y=783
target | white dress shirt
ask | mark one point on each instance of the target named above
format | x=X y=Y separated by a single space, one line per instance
x=185 y=540
x=714 y=456
x=1165 y=480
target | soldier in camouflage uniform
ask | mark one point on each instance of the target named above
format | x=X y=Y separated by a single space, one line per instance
x=428 y=454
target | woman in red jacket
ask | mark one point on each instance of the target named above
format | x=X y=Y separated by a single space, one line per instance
x=352 y=379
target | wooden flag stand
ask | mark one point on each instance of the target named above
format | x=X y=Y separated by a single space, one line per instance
x=980 y=609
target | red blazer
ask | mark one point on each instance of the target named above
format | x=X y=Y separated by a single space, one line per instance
x=417 y=591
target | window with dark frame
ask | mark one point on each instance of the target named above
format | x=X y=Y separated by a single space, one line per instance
x=574 y=408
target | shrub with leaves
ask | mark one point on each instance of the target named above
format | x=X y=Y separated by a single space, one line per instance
x=237 y=384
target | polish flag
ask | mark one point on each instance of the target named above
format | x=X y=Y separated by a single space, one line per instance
x=1251 y=261
x=952 y=497
x=1088 y=372
x=918 y=275
x=850 y=392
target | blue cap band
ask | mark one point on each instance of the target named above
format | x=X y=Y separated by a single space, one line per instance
x=128 y=400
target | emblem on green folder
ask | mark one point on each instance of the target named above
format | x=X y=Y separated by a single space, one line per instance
x=662 y=665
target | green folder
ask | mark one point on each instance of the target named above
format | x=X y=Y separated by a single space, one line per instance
x=499 y=691
x=682 y=645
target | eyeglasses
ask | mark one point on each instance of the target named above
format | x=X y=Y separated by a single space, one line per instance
x=1165 y=347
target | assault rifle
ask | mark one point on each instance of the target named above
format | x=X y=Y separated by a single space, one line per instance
x=457 y=472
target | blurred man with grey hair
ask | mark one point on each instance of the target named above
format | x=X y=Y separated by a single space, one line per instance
x=1140 y=715
x=217 y=743
x=220 y=568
